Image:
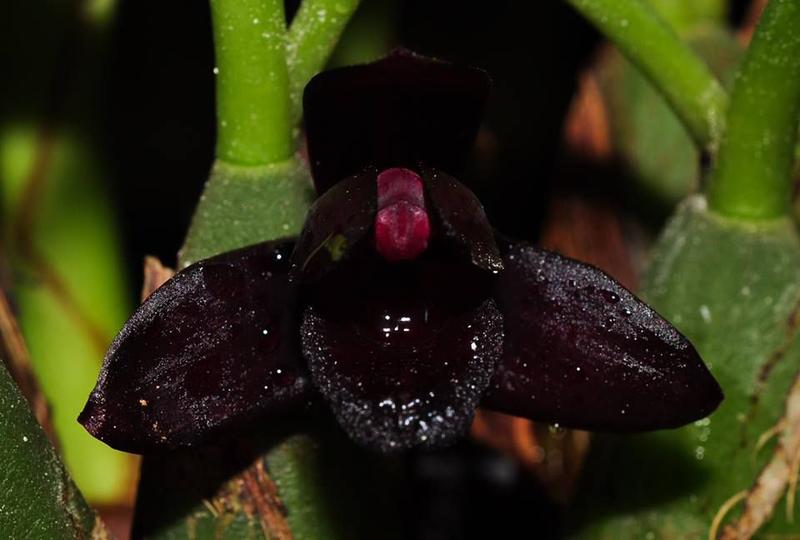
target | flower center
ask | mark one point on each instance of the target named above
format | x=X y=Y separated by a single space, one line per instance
x=402 y=227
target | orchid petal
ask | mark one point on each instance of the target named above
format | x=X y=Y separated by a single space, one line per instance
x=461 y=221
x=213 y=347
x=396 y=112
x=581 y=351
x=336 y=223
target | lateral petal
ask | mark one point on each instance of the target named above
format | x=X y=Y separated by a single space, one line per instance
x=215 y=346
x=460 y=221
x=337 y=221
x=582 y=351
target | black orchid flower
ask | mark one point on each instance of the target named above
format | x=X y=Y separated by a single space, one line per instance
x=398 y=303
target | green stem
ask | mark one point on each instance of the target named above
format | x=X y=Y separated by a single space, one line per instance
x=254 y=125
x=684 y=15
x=753 y=174
x=314 y=32
x=675 y=70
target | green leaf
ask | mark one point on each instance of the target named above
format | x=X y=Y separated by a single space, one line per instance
x=243 y=205
x=686 y=14
x=733 y=288
x=37 y=497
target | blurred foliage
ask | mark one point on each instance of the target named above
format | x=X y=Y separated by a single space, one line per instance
x=69 y=282
x=69 y=286
x=685 y=15
x=657 y=152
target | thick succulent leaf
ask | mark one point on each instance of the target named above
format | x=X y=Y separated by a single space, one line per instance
x=245 y=205
x=582 y=351
x=733 y=287
x=337 y=221
x=38 y=499
x=214 y=346
x=395 y=112
x=460 y=220
x=403 y=351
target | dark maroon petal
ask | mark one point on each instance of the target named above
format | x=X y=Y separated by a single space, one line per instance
x=216 y=345
x=403 y=357
x=460 y=220
x=337 y=221
x=581 y=351
x=396 y=112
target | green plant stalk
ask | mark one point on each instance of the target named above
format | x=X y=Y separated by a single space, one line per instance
x=674 y=69
x=684 y=15
x=753 y=173
x=313 y=34
x=254 y=125
x=370 y=35
x=38 y=499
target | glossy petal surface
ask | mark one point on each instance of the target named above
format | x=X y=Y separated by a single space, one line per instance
x=460 y=220
x=396 y=112
x=581 y=351
x=403 y=357
x=216 y=345
x=336 y=223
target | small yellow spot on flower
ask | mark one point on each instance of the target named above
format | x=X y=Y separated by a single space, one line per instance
x=336 y=246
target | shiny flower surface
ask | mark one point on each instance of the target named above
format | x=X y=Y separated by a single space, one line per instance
x=398 y=304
